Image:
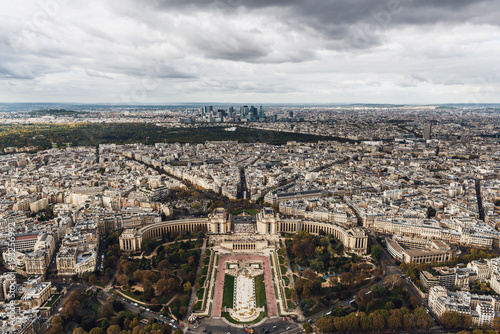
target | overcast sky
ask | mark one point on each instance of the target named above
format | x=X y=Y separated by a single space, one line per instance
x=250 y=51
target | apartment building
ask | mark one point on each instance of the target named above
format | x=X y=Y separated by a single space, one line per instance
x=481 y=308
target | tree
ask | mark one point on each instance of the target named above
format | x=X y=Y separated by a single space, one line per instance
x=162 y=286
x=118 y=306
x=56 y=329
x=455 y=320
x=409 y=322
x=378 y=322
x=347 y=278
x=302 y=247
x=79 y=330
x=150 y=276
x=324 y=325
x=366 y=323
x=125 y=267
x=149 y=293
x=105 y=325
x=340 y=248
x=172 y=285
x=394 y=322
x=114 y=329
x=137 y=275
x=466 y=321
x=363 y=298
x=496 y=324
x=376 y=252
x=56 y=320
x=307 y=328
x=166 y=329
x=379 y=291
x=414 y=302
x=351 y=322
x=163 y=264
x=134 y=323
x=340 y=324
x=183 y=311
x=96 y=330
x=187 y=287
x=92 y=279
x=105 y=311
x=122 y=279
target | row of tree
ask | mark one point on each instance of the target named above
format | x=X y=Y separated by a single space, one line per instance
x=396 y=319
x=454 y=320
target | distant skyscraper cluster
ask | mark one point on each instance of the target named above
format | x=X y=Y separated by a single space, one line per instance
x=245 y=114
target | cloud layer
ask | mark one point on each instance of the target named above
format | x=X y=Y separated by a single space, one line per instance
x=259 y=51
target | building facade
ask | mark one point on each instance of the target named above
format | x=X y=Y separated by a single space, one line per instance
x=267 y=223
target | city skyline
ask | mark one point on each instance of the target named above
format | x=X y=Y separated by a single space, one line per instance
x=230 y=51
x=187 y=219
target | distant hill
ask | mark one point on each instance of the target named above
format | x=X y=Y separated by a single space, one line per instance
x=55 y=112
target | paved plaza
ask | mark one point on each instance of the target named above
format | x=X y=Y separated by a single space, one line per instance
x=244 y=297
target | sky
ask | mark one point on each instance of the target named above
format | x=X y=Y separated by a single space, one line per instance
x=250 y=51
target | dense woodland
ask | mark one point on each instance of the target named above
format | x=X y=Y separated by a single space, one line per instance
x=92 y=134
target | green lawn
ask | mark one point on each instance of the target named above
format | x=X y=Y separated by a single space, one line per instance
x=228 y=294
x=283 y=270
x=286 y=280
x=290 y=305
x=288 y=293
x=251 y=212
x=200 y=292
x=52 y=301
x=260 y=291
x=129 y=294
x=197 y=306
x=204 y=271
x=203 y=279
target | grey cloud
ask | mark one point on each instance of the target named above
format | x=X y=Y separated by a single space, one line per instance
x=152 y=68
x=96 y=74
x=344 y=23
x=310 y=51
x=232 y=49
x=15 y=72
